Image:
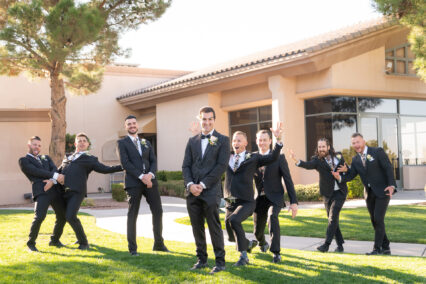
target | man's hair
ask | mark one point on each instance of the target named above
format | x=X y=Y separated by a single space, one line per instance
x=327 y=142
x=207 y=109
x=357 y=134
x=240 y=133
x=130 y=116
x=82 y=134
x=34 y=138
x=264 y=131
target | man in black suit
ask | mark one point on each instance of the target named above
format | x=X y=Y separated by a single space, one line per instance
x=239 y=193
x=376 y=172
x=39 y=168
x=76 y=169
x=270 y=196
x=334 y=191
x=206 y=158
x=140 y=165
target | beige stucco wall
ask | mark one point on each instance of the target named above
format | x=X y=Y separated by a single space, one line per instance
x=174 y=119
x=13 y=183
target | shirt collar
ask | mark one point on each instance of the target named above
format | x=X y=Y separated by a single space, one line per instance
x=35 y=157
x=133 y=138
x=266 y=153
x=210 y=133
x=365 y=150
x=242 y=154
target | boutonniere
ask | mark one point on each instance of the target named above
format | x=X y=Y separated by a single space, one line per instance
x=143 y=142
x=88 y=154
x=213 y=140
x=369 y=158
x=43 y=157
x=339 y=157
x=247 y=156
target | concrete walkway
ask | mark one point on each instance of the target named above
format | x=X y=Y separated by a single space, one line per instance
x=115 y=220
x=174 y=208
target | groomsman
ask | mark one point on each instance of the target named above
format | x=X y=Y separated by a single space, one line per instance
x=376 y=172
x=206 y=158
x=76 y=169
x=270 y=196
x=39 y=168
x=140 y=165
x=334 y=191
x=239 y=193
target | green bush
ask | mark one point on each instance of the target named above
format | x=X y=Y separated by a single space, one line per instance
x=161 y=175
x=169 y=175
x=171 y=188
x=118 y=192
x=355 y=188
x=88 y=202
x=307 y=192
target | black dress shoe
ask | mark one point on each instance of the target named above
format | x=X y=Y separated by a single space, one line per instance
x=386 y=251
x=216 y=269
x=199 y=265
x=264 y=248
x=84 y=247
x=252 y=244
x=31 y=248
x=339 y=249
x=374 y=252
x=134 y=253
x=277 y=258
x=323 y=248
x=242 y=261
x=160 y=248
x=57 y=244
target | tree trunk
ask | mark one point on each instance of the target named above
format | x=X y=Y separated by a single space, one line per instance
x=57 y=117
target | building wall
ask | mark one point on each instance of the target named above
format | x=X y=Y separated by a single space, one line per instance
x=174 y=119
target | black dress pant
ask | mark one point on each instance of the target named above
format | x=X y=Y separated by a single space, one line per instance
x=377 y=208
x=200 y=211
x=73 y=200
x=154 y=201
x=266 y=211
x=333 y=206
x=54 y=198
x=236 y=213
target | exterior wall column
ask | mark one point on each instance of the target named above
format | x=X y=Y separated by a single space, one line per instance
x=289 y=109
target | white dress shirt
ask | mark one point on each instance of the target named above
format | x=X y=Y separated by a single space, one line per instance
x=140 y=152
x=241 y=159
x=204 y=143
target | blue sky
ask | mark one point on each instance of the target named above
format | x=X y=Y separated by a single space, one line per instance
x=193 y=34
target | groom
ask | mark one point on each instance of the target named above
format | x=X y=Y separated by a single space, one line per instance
x=206 y=158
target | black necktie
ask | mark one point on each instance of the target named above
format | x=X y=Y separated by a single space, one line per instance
x=205 y=136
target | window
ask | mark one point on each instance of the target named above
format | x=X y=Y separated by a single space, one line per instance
x=250 y=121
x=411 y=107
x=413 y=138
x=399 y=61
x=377 y=105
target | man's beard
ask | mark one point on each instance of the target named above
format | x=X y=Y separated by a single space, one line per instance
x=33 y=153
x=131 y=131
x=322 y=154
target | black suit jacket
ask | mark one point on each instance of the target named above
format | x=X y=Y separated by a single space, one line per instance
x=77 y=172
x=37 y=172
x=207 y=169
x=239 y=184
x=326 y=179
x=271 y=183
x=378 y=173
x=133 y=163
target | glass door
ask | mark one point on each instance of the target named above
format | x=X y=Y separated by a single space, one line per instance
x=382 y=131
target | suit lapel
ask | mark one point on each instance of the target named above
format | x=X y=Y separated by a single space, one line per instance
x=197 y=142
x=133 y=147
x=359 y=161
x=35 y=162
x=208 y=148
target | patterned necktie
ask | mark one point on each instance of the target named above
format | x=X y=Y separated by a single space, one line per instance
x=364 y=160
x=39 y=160
x=330 y=162
x=135 y=142
x=236 y=160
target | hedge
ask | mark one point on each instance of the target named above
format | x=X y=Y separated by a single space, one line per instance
x=355 y=188
x=174 y=188
x=169 y=175
x=118 y=192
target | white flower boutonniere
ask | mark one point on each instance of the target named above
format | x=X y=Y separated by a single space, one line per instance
x=87 y=153
x=247 y=156
x=338 y=156
x=213 y=140
x=143 y=142
x=369 y=158
x=43 y=157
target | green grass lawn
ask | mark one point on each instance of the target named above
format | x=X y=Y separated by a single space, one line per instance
x=405 y=223
x=108 y=261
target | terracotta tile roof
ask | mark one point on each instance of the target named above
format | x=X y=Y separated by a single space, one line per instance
x=266 y=59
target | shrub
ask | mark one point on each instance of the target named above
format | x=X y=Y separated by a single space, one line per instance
x=307 y=192
x=171 y=188
x=161 y=175
x=118 y=192
x=355 y=188
x=174 y=175
x=88 y=202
